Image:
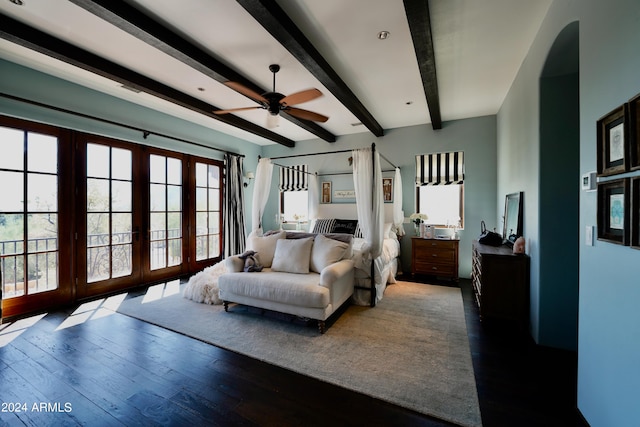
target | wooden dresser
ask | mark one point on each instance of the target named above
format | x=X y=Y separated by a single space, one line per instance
x=500 y=282
x=434 y=257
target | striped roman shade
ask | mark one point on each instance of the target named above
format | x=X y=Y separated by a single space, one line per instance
x=294 y=178
x=440 y=168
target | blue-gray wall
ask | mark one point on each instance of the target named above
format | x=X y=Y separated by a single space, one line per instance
x=476 y=137
x=609 y=288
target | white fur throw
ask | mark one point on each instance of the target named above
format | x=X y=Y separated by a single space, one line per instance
x=203 y=286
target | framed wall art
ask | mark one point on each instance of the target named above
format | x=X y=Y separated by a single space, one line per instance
x=635 y=212
x=634 y=133
x=326 y=192
x=387 y=190
x=613 y=142
x=614 y=211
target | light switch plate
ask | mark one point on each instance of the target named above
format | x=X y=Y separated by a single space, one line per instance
x=588 y=235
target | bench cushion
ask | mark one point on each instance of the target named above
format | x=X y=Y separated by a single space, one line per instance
x=294 y=289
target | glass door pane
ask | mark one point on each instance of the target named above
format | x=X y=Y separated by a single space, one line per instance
x=109 y=212
x=165 y=211
x=29 y=251
x=207 y=207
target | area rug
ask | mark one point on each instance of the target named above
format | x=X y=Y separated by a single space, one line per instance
x=411 y=349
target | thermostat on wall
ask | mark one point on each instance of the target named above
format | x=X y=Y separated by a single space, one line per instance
x=589 y=181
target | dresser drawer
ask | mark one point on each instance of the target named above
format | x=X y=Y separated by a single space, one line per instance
x=437 y=254
x=436 y=269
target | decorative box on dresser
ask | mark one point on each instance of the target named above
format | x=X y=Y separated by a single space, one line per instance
x=500 y=282
x=435 y=257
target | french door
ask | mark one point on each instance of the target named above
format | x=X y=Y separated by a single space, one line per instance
x=34 y=233
x=132 y=209
x=83 y=215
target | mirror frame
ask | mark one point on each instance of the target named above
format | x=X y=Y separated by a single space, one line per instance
x=512 y=198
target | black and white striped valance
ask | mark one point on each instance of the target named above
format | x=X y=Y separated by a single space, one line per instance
x=440 y=168
x=294 y=178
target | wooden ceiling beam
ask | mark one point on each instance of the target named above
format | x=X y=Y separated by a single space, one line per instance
x=31 y=38
x=417 y=12
x=283 y=29
x=143 y=27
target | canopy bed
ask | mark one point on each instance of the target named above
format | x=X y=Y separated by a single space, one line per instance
x=375 y=248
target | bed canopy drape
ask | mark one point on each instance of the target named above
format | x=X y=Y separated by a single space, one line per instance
x=367 y=181
x=261 y=192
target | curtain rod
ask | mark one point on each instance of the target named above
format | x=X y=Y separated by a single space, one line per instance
x=145 y=133
x=329 y=152
x=350 y=173
x=289 y=167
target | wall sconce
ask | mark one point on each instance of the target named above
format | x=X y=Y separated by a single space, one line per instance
x=248 y=177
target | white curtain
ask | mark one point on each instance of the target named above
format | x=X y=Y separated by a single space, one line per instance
x=367 y=180
x=314 y=196
x=261 y=188
x=398 y=213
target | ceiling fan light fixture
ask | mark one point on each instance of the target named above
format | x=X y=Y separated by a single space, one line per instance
x=383 y=35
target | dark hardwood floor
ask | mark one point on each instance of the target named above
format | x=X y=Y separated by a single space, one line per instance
x=94 y=367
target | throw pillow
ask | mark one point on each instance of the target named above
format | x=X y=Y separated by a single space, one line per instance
x=323 y=225
x=325 y=252
x=265 y=246
x=347 y=226
x=292 y=256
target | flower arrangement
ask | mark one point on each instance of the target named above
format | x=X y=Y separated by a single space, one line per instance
x=418 y=218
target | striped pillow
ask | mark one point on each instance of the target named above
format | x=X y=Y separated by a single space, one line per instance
x=324 y=225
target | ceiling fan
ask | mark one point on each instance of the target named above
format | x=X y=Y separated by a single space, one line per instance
x=275 y=102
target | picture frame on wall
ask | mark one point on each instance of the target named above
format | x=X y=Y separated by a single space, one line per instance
x=634 y=133
x=326 y=192
x=635 y=212
x=614 y=211
x=387 y=190
x=613 y=142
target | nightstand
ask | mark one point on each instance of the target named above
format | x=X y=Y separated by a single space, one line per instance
x=435 y=257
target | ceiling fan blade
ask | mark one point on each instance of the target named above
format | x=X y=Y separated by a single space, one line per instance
x=306 y=114
x=246 y=91
x=300 y=97
x=232 y=110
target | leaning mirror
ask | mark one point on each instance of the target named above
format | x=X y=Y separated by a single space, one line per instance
x=512 y=217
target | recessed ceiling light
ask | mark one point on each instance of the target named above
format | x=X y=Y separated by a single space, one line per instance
x=382 y=35
x=17 y=2
x=408 y=102
x=201 y=89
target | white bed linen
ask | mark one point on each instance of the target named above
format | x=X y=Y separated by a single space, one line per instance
x=385 y=269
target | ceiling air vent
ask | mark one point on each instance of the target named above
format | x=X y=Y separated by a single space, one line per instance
x=131 y=88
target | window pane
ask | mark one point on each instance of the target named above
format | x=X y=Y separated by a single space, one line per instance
x=214 y=176
x=441 y=203
x=158 y=201
x=158 y=225
x=97 y=195
x=201 y=223
x=97 y=229
x=42 y=232
x=121 y=260
x=98 y=263
x=12 y=191
x=121 y=164
x=214 y=200
x=42 y=153
x=175 y=224
x=174 y=202
x=214 y=222
x=121 y=196
x=12 y=141
x=11 y=234
x=296 y=205
x=42 y=193
x=157 y=169
x=121 y=228
x=175 y=252
x=97 y=161
x=201 y=175
x=174 y=171
x=43 y=272
x=201 y=199
x=214 y=246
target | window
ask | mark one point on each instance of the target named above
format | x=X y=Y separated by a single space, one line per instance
x=294 y=194
x=443 y=204
x=440 y=188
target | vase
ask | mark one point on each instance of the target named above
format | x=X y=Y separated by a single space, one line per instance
x=416 y=227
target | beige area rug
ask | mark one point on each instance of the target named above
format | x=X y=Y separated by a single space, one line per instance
x=411 y=349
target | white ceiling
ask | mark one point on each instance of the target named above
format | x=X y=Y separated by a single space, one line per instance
x=479 y=46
